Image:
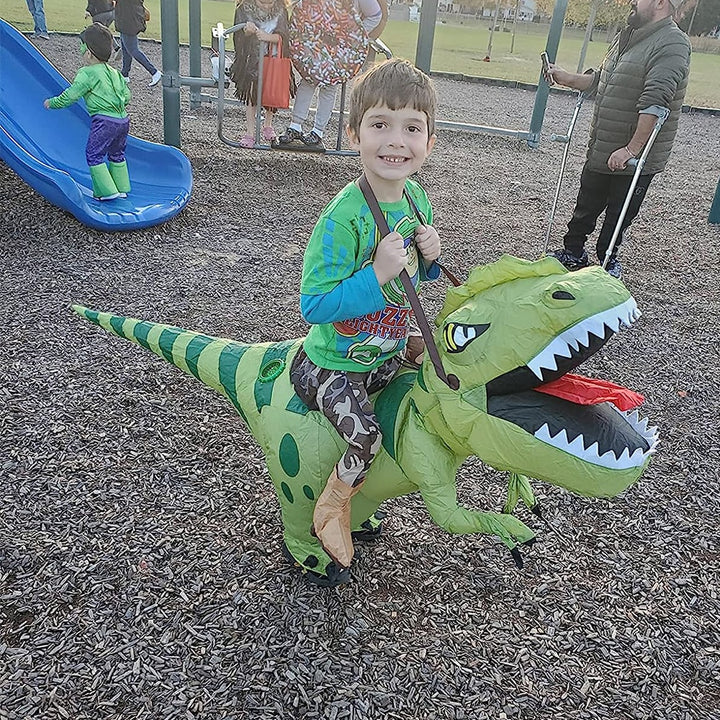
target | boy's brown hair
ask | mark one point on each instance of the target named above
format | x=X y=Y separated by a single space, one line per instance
x=396 y=83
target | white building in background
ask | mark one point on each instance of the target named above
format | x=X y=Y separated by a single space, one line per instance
x=526 y=10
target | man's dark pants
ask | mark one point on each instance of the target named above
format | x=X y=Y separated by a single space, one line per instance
x=598 y=192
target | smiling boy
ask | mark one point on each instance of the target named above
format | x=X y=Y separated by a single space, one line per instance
x=351 y=293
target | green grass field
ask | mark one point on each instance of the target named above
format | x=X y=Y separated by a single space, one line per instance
x=457 y=48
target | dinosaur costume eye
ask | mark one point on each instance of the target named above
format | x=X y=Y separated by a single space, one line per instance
x=459 y=336
x=562 y=295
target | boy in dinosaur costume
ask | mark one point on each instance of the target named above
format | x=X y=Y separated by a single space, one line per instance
x=351 y=292
x=510 y=334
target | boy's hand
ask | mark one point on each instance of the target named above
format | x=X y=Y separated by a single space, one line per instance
x=46 y=103
x=390 y=258
x=427 y=241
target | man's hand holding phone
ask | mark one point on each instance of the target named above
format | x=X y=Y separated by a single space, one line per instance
x=547 y=68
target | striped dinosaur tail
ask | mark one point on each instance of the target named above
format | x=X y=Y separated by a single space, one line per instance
x=213 y=361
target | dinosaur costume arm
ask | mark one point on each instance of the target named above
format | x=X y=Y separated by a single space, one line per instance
x=434 y=471
x=443 y=506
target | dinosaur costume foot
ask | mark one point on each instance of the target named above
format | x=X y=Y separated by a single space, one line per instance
x=333 y=576
x=331 y=520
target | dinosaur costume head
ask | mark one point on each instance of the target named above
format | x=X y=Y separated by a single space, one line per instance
x=515 y=326
x=510 y=333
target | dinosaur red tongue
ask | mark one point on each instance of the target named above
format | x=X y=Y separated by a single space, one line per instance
x=589 y=391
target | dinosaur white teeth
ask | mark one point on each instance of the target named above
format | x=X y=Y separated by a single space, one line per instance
x=613 y=323
x=596 y=326
x=546 y=359
x=577 y=446
x=583 y=337
x=591 y=454
x=543 y=433
x=608 y=459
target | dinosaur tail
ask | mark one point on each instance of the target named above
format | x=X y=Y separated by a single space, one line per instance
x=214 y=361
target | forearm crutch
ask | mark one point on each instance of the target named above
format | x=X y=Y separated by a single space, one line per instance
x=565 y=139
x=639 y=165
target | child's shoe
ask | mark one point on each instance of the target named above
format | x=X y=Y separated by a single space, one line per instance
x=247 y=141
x=313 y=141
x=104 y=187
x=290 y=136
x=268 y=133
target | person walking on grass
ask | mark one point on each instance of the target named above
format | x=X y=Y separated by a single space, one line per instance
x=131 y=18
x=351 y=292
x=645 y=70
x=106 y=94
x=38 y=15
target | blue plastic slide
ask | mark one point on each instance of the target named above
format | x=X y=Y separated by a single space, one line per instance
x=46 y=148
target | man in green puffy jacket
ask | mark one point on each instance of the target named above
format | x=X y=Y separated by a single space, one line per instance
x=645 y=70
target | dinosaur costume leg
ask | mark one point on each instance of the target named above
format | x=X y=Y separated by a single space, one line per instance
x=343 y=397
x=331 y=519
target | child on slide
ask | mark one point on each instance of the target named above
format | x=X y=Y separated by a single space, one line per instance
x=106 y=94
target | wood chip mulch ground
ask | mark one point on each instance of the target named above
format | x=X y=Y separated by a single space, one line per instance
x=140 y=565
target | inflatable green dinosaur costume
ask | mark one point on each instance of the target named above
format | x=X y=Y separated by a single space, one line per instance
x=513 y=326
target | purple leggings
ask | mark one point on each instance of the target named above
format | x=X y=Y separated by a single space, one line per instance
x=108 y=136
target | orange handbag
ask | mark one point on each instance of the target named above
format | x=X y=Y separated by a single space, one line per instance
x=276 y=79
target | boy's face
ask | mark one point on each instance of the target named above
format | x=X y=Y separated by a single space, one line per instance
x=393 y=144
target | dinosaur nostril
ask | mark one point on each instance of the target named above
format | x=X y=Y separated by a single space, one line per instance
x=563 y=295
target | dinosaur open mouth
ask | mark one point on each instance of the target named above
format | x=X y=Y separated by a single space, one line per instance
x=591 y=420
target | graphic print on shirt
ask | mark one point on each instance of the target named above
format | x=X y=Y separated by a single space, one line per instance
x=384 y=331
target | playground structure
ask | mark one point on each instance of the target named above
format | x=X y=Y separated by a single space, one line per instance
x=714 y=217
x=173 y=81
x=49 y=154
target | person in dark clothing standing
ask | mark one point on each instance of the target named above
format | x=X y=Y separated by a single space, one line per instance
x=130 y=20
x=103 y=12
x=645 y=70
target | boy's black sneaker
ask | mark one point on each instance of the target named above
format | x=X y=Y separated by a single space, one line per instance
x=570 y=261
x=614 y=268
x=314 y=141
x=290 y=136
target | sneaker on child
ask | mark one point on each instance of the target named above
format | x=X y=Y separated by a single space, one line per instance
x=313 y=140
x=569 y=260
x=290 y=136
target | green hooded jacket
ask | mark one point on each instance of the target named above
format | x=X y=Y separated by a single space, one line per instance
x=644 y=68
